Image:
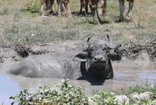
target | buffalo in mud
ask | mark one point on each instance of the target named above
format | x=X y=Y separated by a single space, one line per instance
x=90 y=62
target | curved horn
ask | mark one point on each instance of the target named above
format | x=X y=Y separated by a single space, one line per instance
x=111 y=45
x=85 y=47
x=88 y=39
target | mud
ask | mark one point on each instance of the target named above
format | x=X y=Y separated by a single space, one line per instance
x=132 y=51
x=17 y=52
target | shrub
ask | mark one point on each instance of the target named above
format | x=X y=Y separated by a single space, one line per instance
x=46 y=95
x=70 y=95
x=143 y=87
x=33 y=6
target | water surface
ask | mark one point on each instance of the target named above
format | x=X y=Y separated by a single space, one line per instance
x=124 y=76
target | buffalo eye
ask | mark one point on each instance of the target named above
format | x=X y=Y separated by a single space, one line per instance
x=90 y=49
x=104 y=49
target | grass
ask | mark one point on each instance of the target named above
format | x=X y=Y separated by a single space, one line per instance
x=20 y=26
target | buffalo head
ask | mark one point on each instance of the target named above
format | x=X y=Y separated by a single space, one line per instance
x=98 y=55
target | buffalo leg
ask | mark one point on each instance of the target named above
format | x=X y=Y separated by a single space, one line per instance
x=93 y=5
x=67 y=7
x=48 y=4
x=60 y=8
x=52 y=6
x=42 y=7
x=102 y=7
x=130 y=8
x=122 y=8
x=84 y=7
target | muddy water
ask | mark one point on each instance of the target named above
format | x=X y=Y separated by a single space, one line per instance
x=125 y=74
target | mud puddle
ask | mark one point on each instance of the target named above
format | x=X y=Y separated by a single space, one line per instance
x=11 y=85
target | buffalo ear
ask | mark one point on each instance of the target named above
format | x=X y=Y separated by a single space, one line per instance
x=114 y=56
x=82 y=55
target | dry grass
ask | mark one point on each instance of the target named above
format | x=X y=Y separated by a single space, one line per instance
x=17 y=25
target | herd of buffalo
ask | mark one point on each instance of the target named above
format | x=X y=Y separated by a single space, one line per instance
x=93 y=4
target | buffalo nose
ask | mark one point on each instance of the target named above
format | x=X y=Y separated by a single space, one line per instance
x=99 y=58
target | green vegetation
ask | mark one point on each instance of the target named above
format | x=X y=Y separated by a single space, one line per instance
x=33 y=6
x=143 y=87
x=47 y=95
x=70 y=95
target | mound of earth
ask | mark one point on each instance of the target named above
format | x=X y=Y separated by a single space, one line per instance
x=132 y=51
x=9 y=53
x=18 y=52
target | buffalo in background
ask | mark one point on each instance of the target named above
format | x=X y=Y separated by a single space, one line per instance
x=84 y=8
x=50 y=6
x=90 y=62
x=102 y=8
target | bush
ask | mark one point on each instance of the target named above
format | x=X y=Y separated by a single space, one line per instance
x=70 y=95
x=33 y=6
x=46 y=95
x=143 y=87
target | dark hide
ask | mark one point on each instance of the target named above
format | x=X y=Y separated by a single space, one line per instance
x=98 y=55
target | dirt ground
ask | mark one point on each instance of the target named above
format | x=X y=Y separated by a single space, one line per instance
x=10 y=53
x=132 y=51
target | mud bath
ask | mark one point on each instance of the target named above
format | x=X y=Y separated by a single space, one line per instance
x=126 y=73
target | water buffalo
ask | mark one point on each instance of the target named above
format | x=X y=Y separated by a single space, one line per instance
x=91 y=62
